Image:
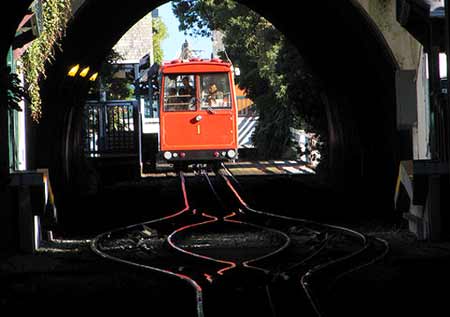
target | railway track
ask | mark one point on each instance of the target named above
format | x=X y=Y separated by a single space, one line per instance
x=240 y=261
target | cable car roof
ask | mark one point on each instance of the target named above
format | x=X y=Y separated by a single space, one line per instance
x=196 y=65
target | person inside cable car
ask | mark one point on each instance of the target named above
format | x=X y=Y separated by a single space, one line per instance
x=172 y=102
x=171 y=95
x=187 y=93
x=214 y=97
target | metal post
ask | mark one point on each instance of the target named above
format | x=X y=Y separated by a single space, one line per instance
x=447 y=49
x=433 y=199
x=433 y=67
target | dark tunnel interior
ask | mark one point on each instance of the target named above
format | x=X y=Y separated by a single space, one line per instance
x=335 y=37
x=324 y=237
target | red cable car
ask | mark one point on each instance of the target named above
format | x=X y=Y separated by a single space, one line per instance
x=198 y=114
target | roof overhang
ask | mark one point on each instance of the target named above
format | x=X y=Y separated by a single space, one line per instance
x=421 y=18
x=29 y=29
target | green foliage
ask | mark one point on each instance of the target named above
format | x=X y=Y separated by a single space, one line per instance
x=159 y=34
x=107 y=69
x=273 y=74
x=200 y=17
x=122 y=88
x=55 y=15
x=10 y=82
x=116 y=87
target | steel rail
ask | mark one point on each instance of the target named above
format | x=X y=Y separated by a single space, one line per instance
x=232 y=214
x=170 y=238
x=198 y=289
x=363 y=239
x=336 y=266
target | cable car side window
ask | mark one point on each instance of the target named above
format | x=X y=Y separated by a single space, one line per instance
x=215 y=91
x=179 y=93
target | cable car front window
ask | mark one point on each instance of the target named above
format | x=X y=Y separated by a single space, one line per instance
x=215 y=91
x=179 y=93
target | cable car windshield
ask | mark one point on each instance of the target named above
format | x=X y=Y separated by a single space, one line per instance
x=179 y=92
x=215 y=91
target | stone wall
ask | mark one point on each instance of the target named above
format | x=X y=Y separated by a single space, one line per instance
x=137 y=42
x=405 y=48
x=76 y=4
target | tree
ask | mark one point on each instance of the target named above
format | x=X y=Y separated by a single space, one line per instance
x=273 y=74
x=159 y=34
x=114 y=87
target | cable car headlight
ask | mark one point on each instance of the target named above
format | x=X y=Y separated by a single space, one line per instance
x=231 y=153
x=167 y=155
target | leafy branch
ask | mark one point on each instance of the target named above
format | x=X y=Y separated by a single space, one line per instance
x=273 y=74
x=55 y=15
x=159 y=34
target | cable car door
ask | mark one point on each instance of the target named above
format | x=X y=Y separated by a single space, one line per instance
x=217 y=128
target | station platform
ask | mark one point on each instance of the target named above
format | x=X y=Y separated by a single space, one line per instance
x=241 y=168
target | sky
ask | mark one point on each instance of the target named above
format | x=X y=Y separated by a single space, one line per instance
x=172 y=44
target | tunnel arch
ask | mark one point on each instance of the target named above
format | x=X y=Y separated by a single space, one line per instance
x=335 y=37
